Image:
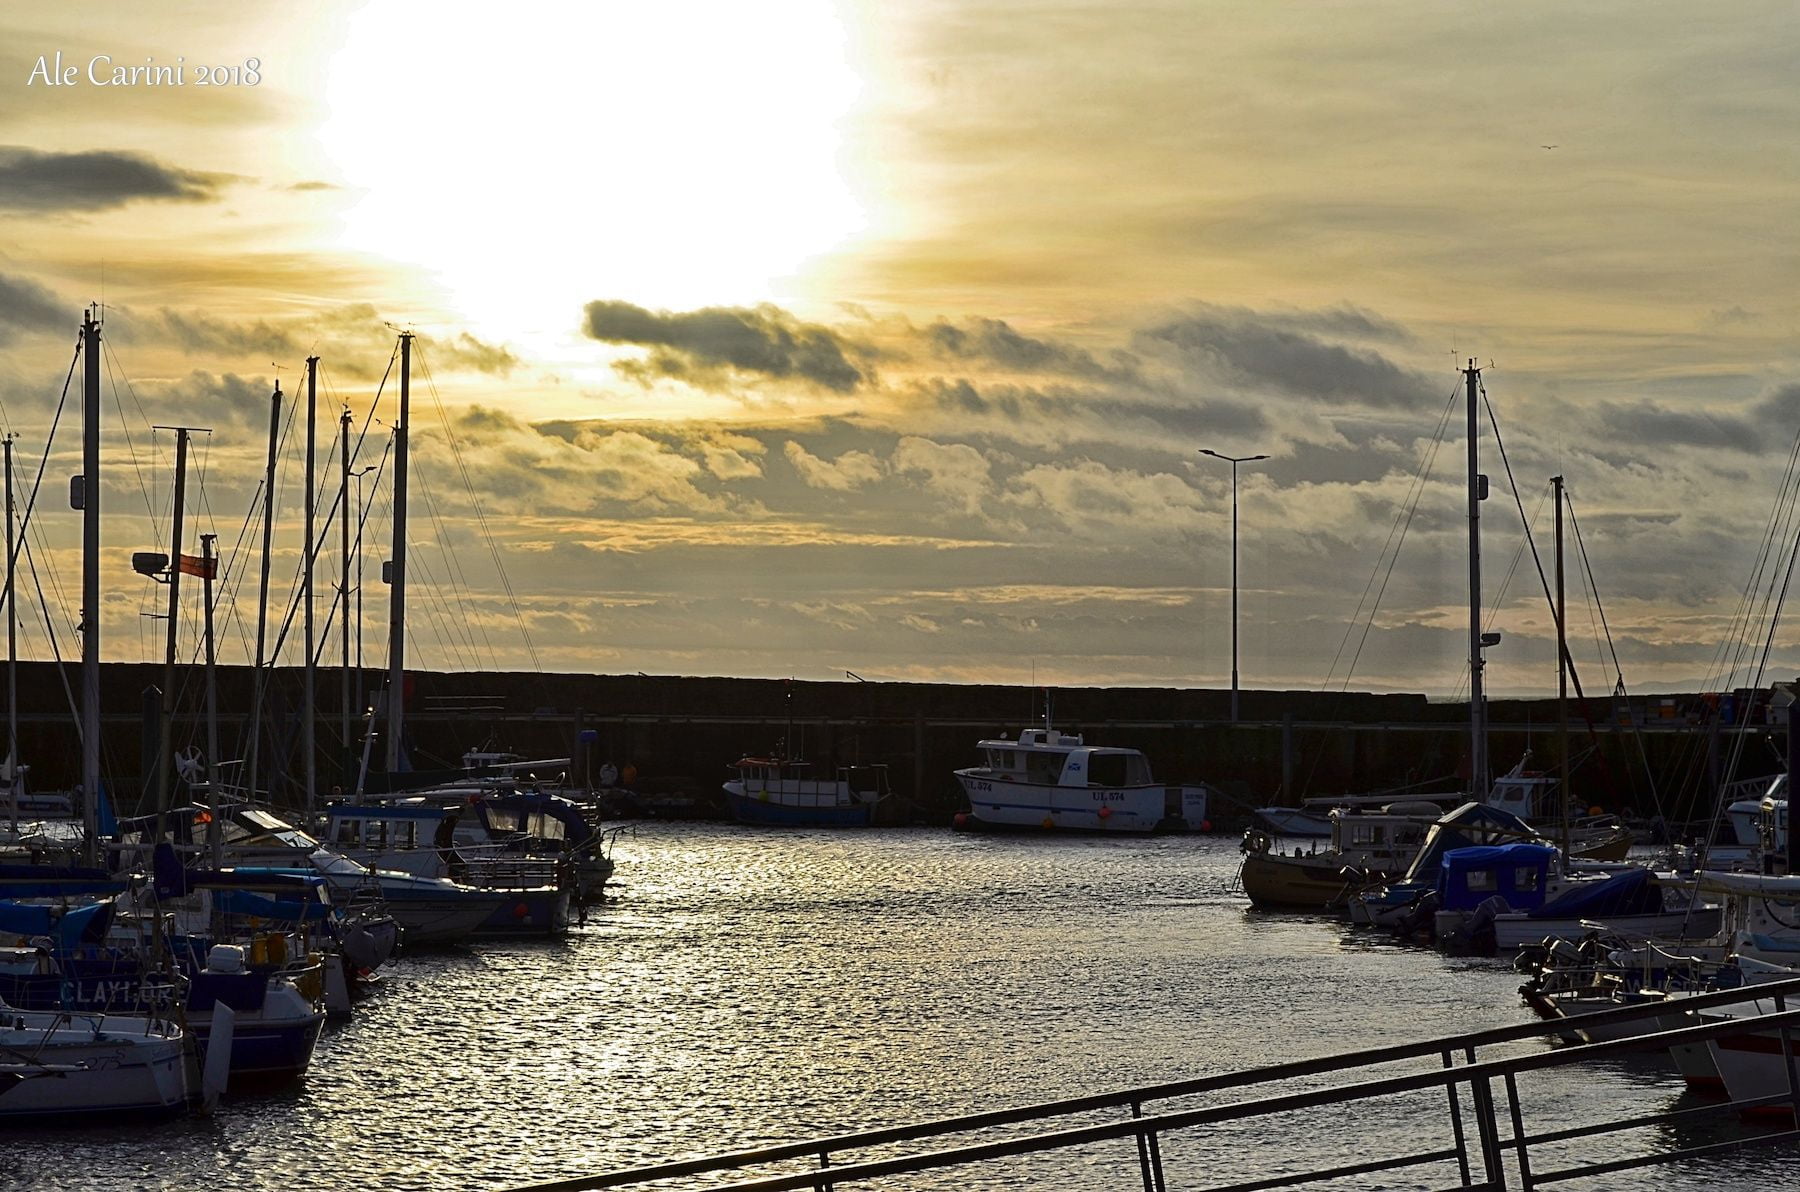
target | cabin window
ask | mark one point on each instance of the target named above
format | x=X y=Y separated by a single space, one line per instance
x=349 y=831
x=1106 y=769
x=376 y=833
x=1137 y=770
x=1043 y=767
x=1364 y=834
x=1482 y=879
x=406 y=834
x=1525 y=877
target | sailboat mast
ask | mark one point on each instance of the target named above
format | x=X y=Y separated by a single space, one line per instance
x=262 y=595
x=308 y=713
x=208 y=566
x=397 y=572
x=1478 y=758
x=164 y=752
x=1562 y=672
x=344 y=589
x=12 y=648
x=90 y=586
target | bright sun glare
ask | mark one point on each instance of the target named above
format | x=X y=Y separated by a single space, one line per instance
x=537 y=156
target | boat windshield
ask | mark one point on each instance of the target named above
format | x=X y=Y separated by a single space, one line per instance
x=1118 y=769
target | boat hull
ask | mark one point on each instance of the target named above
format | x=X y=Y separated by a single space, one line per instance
x=772 y=809
x=1312 y=882
x=539 y=911
x=1001 y=805
x=122 y=1069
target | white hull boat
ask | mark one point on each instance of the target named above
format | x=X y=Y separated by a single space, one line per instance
x=61 y=1067
x=1052 y=781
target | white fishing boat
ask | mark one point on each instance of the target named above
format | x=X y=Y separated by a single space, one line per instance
x=780 y=790
x=58 y=1067
x=1056 y=781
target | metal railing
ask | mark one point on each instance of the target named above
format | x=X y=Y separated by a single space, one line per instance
x=1481 y=1097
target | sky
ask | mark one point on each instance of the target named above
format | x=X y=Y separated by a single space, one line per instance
x=817 y=338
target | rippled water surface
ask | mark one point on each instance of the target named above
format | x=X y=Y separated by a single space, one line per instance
x=750 y=986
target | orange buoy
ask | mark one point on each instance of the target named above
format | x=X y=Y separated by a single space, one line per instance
x=1206 y=825
x=1105 y=811
x=1048 y=822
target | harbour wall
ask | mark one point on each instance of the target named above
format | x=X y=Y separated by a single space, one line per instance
x=1641 y=755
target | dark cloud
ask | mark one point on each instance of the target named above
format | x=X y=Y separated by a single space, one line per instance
x=1262 y=353
x=997 y=342
x=763 y=339
x=27 y=306
x=465 y=351
x=95 y=180
x=1082 y=413
x=1648 y=426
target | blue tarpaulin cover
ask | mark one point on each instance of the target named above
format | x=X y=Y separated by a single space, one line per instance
x=1627 y=893
x=1516 y=872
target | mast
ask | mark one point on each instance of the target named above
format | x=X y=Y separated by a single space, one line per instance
x=344 y=589
x=1562 y=672
x=164 y=751
x=12 y=648
x=1478 y=759
x=208 y=567
x=262 y=595
x=90 y=586
x=397 y=572
x=308 y=716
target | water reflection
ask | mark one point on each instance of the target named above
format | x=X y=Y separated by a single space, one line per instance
x=750 y=987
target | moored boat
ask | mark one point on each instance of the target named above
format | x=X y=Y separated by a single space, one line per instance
x=1057 y=782
x=778 y=790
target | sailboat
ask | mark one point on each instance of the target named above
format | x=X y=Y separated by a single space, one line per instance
x=1521 y=791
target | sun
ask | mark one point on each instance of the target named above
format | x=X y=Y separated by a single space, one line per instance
x=536 y=156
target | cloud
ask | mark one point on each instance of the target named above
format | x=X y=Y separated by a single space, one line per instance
x=31 y=180
x=27 y=306
x=997 y=342
x=851 y=470
x=954 y=472
x=763 y=340
x=1258 y=352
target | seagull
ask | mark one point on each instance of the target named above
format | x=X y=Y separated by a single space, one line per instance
x=1546 y=146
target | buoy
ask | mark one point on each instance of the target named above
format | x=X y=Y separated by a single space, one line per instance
x=1206 y=825
x=1048 y=822
x=1105 y=811
x=1595 y=810
x=520 y=911
x=960 y=820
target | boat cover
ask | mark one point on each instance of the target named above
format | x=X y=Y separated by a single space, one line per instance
x=1515 y=872
x=70 y=929
x=1626 y=893
x=1468 y=826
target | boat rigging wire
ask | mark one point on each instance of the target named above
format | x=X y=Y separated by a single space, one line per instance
x=481 y=517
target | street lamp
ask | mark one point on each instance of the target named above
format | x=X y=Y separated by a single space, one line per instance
x=1234 y=461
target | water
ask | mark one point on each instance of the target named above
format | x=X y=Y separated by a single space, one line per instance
x=749 y=987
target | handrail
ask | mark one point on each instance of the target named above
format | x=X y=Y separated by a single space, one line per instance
x=1471 y=1072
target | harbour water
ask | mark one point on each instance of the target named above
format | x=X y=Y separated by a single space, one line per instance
x=748 y=987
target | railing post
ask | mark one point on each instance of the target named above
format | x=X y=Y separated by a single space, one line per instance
x=1787 y=1058
x=1518 y=1124
x=823 y=1185
x=1149 y=1154
x=1483 y=1093
x=1456 y=1122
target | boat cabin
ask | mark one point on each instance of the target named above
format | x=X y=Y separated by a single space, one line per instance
x=1045 y=757
x=1519 y=873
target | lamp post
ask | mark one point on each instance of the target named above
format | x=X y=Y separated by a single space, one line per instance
x=1234 y=461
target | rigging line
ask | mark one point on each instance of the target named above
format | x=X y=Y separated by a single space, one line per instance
x=1775 y=529
x=293 y=606
x=459 y=581
x=62 y=669
x=44 y=460
x=1403 y=524
x=1396 y=538
x=112 y=376
x=1402 y=520
x=1742 y=735
x=481 y=518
